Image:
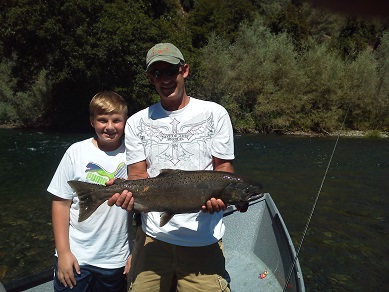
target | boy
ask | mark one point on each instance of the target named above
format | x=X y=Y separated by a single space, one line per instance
x=92 y=255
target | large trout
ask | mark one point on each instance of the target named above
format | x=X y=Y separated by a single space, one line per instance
x=171 y=192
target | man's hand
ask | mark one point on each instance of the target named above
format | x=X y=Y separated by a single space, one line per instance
x=123 y=200
x=213 y=205
x=224 y=165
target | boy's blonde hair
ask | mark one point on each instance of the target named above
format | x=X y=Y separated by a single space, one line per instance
x=107 y=102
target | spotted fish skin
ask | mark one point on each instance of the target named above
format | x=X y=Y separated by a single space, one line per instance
x=171 y=192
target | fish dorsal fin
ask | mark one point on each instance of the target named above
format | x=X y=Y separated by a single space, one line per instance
x=168 y=172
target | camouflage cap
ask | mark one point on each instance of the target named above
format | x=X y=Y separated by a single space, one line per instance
x=164 y=52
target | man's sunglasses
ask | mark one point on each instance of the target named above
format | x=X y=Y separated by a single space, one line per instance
x=172 y=71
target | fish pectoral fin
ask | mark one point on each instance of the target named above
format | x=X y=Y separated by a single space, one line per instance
x=165 y=218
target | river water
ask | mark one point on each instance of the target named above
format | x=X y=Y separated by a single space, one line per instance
x=346 y=247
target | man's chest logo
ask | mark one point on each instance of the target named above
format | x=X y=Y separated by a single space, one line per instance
x=174 y=142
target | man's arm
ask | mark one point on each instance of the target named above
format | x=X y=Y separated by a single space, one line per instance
x=222 y=165
x=137 y=170
x=216 y=205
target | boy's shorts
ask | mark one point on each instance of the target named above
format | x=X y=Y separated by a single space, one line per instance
x=160 y=266
x=94 y=279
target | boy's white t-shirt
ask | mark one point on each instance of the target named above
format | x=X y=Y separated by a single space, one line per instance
x=184 y=139
x=102 y=239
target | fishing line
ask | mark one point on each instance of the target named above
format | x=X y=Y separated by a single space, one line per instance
x=314 y=204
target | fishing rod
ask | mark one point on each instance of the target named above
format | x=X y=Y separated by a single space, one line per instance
x=314 y=204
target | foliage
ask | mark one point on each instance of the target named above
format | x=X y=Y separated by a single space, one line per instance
x=380 y=115
x=268 y=86
x=374 y=134
x=222 y=17
x=355 y=36
x=275 y=65
x=23 y=107
x=248 y=82
x=324 y=71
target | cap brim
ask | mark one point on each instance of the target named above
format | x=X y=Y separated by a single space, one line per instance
x=167 y=59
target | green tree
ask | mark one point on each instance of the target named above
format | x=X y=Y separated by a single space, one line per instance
x=381 y=101
x=356 y=35
x=88 y=46
x=8 y=113
x=222 y=17
x=325 y=71
x=264 y=70
x=257 y=78
x=289 y=19
x=361 y=83
x=23 y=108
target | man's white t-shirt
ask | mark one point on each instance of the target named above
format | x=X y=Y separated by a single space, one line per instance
x=102 y=239
x=185 y=139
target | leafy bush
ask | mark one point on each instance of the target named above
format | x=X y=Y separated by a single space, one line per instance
x=268 y=85
x=22 y=108
x=275 y=65
x=374 y=134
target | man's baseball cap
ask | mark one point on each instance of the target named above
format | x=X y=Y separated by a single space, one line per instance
x=164 y=52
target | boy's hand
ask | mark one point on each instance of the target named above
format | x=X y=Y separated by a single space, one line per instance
x=213 y=205
x=66 y=263
x=128 y=265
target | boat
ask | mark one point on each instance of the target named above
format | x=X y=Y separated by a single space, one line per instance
x=260 y=255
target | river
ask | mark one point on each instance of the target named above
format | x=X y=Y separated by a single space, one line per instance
x=346 y=245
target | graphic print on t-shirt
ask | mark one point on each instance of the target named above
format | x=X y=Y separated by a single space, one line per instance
x=97 y=174
x=177 y=142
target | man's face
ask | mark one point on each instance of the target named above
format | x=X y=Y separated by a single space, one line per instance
x=169 y=81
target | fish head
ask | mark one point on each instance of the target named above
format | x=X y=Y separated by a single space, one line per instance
x=242 y=190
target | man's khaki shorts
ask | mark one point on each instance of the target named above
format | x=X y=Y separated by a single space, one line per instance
x=159 y=266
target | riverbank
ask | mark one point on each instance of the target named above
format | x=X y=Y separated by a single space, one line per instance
x=344 y=133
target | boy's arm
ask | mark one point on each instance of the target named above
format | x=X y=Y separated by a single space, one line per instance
x=66 y=260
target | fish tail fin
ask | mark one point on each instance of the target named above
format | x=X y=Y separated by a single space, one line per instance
x=88 y=203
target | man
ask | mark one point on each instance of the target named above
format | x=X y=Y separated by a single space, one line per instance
x=179 y=132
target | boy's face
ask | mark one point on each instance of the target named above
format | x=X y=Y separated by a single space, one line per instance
x=109 y=129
